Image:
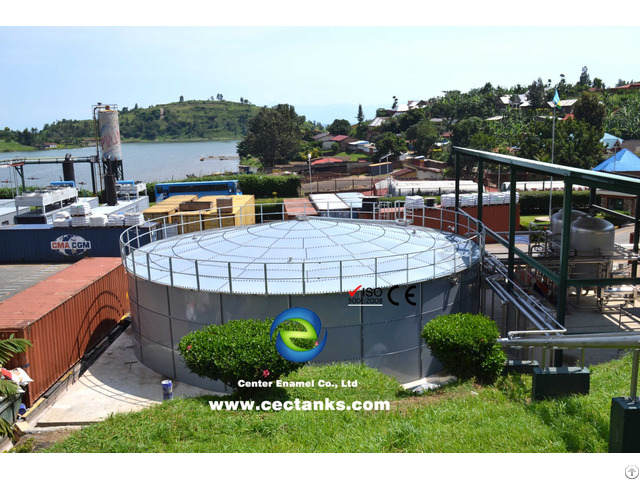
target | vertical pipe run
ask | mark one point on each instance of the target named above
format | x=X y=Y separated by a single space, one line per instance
x=592 y=200
x=634 y=376
x=480 y=187
x=636 y=234
x=266 y=288
x=512 y=227
x=564 y=260
x=457 y=188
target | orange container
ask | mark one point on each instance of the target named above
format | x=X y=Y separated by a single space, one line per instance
x=64 y=316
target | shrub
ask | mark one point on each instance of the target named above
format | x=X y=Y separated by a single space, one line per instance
x=466 y=346
x=238 y=350
x=535 y=203
x=261 y=186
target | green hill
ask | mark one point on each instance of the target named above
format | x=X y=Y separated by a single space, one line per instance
x=187 y=120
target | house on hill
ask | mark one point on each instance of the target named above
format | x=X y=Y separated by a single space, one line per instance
x=343 y=141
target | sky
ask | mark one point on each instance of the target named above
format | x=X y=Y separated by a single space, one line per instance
x=54 y=66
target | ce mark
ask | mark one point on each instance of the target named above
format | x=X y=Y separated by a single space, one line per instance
x=408 y=295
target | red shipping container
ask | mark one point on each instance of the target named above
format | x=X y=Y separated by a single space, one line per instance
x=64 y=316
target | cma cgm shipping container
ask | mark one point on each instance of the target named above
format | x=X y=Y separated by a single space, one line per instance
x=47 y=244
x=64 y=316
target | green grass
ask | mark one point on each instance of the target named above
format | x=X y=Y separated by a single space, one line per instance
x=14 y=147
x=349 y=156
x=525 y=220
x=459 y=418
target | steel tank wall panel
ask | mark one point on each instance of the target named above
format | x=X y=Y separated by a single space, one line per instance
x=180 y=328
x=153 y=296
x=159 y=356
x=198 y=307
x=404 y=366
x=154 y=326
x=391 y=336
x=429 y=363
x=252 y=306
x=187 y=376
x=342 y=325
x=402 y=295
x=331 y=308
x=343 y=344
x=132 y=290
x=64 y=316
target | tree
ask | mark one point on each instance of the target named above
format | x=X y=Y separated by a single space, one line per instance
x=273 y=135
x=389 y=143
x=589 y=109
x=360 y=115
x=181 y=98
x=422 y=135
x=465 y=129
x=339 y=127
x=536 y=94
x=381 y=112
x=395 y=102
x=412 y=117
x=584 y=77
x=624 y=122
x=598 y=83
x=577 y=144
x=8 y=348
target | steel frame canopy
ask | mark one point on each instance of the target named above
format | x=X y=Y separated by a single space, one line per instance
x=570 y=176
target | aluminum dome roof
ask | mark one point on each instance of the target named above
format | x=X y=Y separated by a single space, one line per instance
x=312 y=255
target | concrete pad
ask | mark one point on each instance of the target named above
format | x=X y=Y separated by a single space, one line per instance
x=116 y=383
x=432 y=382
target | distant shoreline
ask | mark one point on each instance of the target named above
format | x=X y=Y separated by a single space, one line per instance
x=187 y=140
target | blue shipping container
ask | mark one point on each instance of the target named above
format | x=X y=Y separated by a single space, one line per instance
x=46 y=244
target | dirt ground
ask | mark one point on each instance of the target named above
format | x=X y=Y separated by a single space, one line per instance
x=34 y=442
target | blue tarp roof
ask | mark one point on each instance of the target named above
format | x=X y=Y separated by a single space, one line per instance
x=610 y=140
x=622 y=161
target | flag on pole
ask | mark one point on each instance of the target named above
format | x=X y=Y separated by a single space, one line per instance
x=556 y=99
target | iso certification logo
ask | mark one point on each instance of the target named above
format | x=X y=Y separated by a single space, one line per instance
x=312 y=326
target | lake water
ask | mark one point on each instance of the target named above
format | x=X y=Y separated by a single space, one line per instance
x=148 y=162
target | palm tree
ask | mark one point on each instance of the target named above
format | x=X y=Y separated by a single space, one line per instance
x=8 y=348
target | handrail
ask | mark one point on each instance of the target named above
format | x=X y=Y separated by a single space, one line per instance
x=129 y=243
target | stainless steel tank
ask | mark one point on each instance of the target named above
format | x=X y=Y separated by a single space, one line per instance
x=592 y=237
x=556 y=226
x=556 y=219
x=109 y=134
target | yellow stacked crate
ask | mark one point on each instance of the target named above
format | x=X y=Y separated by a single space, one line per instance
x=244 y=210
x=211 y=219
x=177 y=199
x=188 y=222
x=159 y=211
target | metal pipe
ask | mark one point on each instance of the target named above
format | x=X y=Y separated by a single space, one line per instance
x=533 y=316
x=634 y=376
x=632 y=341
